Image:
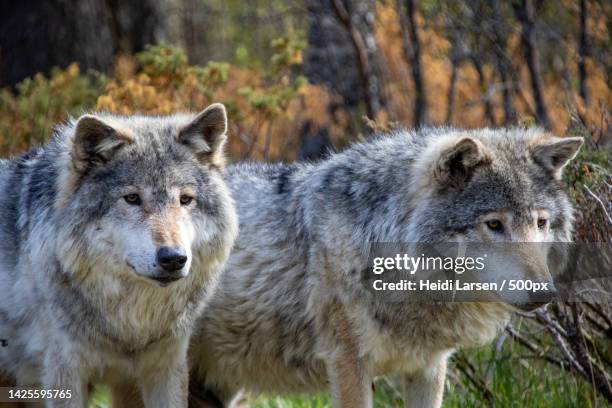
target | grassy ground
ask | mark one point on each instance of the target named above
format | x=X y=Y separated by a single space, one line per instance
x=513 y=381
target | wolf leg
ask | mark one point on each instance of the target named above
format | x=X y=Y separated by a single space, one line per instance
x=351 y=383
x=425 y=389
x=26 y=378
x=59 y=375
x=166 y=386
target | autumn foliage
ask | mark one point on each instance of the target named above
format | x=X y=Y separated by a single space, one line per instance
x=270 y=104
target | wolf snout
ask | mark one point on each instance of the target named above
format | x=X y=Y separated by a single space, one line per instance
x=172 y=259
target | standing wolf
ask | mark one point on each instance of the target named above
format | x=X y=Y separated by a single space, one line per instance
x=291 y=315
x=112 y=238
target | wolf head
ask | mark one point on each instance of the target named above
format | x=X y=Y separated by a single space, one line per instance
x=497 y=187
x=144 y=196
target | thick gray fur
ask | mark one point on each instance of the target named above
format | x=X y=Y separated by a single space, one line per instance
x=291 y=315
x=81 y=297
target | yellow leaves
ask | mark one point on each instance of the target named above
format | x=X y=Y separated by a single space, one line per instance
x=105 y=103
x=134 y=95
x=266 y=107
x=73 y=70
x=27 y=117
x=124 y=67
x=287 y=51
x=62 y=78
x=296 y=57
x=165 y=83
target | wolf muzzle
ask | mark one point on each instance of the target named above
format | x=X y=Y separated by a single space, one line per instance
x=172 y=261
x=539 y=299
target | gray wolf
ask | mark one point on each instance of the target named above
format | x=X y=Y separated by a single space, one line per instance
x=112 y=238
x=290 y=314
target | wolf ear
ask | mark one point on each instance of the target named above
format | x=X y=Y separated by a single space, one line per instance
x=456 y=163
x=554 y=155
x=206 y=134
x=95 y=142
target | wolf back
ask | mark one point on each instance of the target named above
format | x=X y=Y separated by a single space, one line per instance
x=291 y=315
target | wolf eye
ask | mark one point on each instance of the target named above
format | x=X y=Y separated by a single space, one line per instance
x=186 y=200
x=542 y=223
x=495 y=225
x=132 y=199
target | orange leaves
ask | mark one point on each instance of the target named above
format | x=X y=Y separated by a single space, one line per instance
x=27 y=117
x=266 y=107
x=561 y=98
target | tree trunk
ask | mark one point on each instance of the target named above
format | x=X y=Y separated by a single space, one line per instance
x=368 y=78
x=526 y=16
x=450 y=99
x=584 y=52
x=345 y=60
x=509 y=111
x=412 y=51
x=38 y=35
x=503 y=63
x=482 y=83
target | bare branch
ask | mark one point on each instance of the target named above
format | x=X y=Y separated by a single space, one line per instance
x=601 y=203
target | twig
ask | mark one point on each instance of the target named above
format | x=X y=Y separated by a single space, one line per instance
x=603 y=206
x=543 y=316
x=557 y=333
x=599 y=378
x=467 y=370
x=532 y=347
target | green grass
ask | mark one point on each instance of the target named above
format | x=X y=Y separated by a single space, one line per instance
x=388 y=394
x=100 y=399
x=514 y=381
x=520 y=382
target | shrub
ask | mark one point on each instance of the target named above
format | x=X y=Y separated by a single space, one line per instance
x=26 y=116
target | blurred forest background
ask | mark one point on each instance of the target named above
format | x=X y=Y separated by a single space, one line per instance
x=303 y=77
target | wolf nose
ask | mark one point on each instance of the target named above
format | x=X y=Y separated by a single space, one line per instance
x=541 y=298
x=547 y=295
x=171 y=259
